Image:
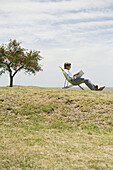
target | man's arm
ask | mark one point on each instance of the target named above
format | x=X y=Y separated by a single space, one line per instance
x=76 y=74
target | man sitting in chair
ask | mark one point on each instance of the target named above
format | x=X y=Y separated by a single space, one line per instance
x=73 y=78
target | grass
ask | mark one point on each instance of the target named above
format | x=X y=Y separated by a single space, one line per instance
x=55 y=129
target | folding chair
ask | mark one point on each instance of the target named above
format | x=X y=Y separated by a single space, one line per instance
x=67 y=81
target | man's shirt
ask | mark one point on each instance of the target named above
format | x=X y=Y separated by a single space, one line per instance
x=68 y=74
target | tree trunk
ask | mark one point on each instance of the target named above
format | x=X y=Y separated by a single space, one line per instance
x=11 y=81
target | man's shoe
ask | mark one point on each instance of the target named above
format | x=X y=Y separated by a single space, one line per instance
x=101 y=88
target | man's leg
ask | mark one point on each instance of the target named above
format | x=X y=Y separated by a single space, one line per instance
x=87 y=82
x=90 y=85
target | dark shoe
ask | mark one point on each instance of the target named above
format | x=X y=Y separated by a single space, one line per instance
x=96 y=87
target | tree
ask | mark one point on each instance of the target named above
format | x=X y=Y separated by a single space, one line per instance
x=14 y=58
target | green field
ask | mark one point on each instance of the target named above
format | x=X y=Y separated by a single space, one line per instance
x=57 y=129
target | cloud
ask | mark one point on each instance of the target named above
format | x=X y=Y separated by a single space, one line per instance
x=79 y=31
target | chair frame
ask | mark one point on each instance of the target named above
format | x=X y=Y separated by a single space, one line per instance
x=67 y=81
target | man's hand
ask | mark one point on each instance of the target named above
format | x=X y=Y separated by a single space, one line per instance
x=76 y=74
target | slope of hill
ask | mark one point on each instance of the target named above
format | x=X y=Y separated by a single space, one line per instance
x=55 y=129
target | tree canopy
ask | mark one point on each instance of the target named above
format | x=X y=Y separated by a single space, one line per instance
x=14 y=58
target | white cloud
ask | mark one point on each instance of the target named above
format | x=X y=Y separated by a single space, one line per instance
x=79 y=31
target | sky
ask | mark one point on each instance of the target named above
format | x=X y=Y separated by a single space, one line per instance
x=76 y=31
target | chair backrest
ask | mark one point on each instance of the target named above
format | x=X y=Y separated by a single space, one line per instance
x=66 y=76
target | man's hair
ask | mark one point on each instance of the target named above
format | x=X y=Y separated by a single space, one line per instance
x=66 y=64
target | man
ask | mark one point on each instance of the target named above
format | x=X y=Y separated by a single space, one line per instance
x=67 y=67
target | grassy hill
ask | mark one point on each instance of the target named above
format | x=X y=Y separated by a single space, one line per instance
x=55 y=129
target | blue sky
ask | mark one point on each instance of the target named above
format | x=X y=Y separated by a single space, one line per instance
x=80 y=32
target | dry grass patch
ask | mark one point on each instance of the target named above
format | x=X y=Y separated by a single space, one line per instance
x=55 y=129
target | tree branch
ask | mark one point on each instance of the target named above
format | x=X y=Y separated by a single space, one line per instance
x=18 y=70
x=10 y=71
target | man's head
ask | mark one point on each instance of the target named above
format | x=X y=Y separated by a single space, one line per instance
x=67 y=66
